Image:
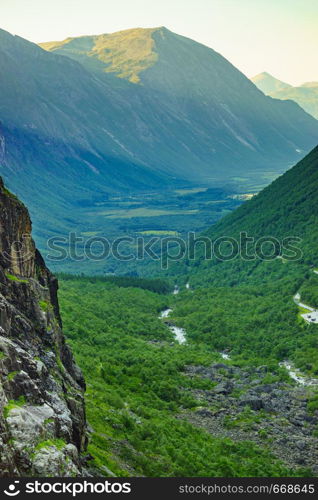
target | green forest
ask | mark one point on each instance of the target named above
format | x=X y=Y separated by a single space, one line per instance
x=137 y=390
x=254 y=323
x=142 y=404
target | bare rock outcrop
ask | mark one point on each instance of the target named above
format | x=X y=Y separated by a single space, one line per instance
x=42 y=412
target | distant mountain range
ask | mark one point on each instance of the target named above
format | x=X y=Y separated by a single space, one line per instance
x=232 y=126
x=268 y=84
x=143 y=109
x=305 y=95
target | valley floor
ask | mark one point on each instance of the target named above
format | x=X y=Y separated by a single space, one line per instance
x=160 y=407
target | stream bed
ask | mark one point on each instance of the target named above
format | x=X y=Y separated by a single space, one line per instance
x=179 y=333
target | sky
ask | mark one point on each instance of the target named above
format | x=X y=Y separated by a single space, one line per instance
x=277 y=36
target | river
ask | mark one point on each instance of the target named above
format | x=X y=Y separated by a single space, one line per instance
x=179 y=333
x=298 y=377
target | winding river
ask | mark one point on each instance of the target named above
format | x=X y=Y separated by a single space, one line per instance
x=298 y=377
x=180 y=336
x=179 y=333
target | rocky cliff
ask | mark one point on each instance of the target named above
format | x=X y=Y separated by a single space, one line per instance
x=42 y=413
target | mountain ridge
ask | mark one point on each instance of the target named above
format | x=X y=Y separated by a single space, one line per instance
x=306 y=95
x=100 y=48
x=268 y=83
x=194 y=119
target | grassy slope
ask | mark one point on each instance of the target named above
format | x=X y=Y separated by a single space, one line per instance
x=288 y=207
x=136 y=388
x=248 y=306
x=126 y=53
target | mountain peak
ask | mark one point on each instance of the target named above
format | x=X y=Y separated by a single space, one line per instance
x=267 y=83
x=305 y=95
x=263 y=74
x=126 y=53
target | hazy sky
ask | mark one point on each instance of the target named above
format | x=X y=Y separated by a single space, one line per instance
x=278 y=36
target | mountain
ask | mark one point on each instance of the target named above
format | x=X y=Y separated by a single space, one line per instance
x=42 y=413
x=268 y=84
x=127 y=53
x=54 y=129
x=175 y=112
x=306 y=95
x=257 y=304
x=263 y=385
x=205 y=92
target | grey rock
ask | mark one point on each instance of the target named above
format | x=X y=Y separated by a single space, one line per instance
x=253 y=402
x=54 y=462
x=224 y=388
x=27 y=424
x=41 y=388
x=218 y=366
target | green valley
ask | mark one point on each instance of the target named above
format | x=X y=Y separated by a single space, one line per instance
x=140 y=398
x=135 y=113
x=160 y=214
x=158 y=247
x=149 y=392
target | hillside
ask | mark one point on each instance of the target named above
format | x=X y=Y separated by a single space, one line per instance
x=268 y=84
x=286 y=208
x=151 y=401
x=206 y=92
x=126 y=53
x=247 y=304
x=42 y=412
x=306 y=95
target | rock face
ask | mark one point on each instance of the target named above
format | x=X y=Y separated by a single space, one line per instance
x=42 y=413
